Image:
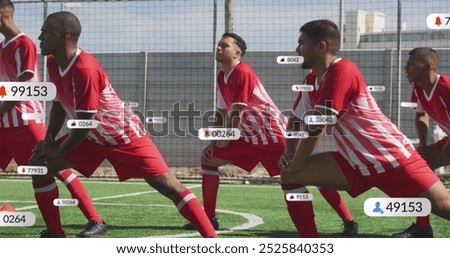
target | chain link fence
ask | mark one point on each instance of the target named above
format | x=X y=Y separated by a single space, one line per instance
x=160 y=54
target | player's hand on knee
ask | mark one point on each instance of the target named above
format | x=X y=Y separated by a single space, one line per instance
x=289 y=176
x=285 y=160
x=37 y=158
x=207 y=154
x=222 y=143
x=50 y=149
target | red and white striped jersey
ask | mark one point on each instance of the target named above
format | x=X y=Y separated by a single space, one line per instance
x=18 y=56
x=437 y=104
x=363 y=134
x=84 y=87
x=262 y=122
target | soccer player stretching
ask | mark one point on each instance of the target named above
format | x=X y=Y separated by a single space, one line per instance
x=372 y=151
x=84 y=92
x=242 y=102
x=18 y=62
x=431 y=92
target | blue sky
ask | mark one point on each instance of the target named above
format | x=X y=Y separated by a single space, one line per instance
x=187 y=25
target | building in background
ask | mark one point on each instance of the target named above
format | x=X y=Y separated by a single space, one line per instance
x=358 y=23
x=366 y=30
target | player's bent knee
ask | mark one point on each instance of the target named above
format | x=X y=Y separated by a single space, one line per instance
x=41 y=178
x=440 y=200
x=56 y=165
x=292 y=178
x=442 y=209
x=215 y=162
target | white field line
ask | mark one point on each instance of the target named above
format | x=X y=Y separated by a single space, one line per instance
x=104 y=197
x=188 y=185
x=252 y=220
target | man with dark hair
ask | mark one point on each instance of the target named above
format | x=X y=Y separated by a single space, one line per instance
x=84 y=92
x=242 y=102
x=372 y=151
x=238 y=40
x=431 y=92
x=18 y=62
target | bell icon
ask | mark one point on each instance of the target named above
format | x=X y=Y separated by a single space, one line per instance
x=3 y=91
x=438 y=21
x=206 y=134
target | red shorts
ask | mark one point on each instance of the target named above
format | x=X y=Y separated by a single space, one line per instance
x=18 y=142
x=410 y=179
x=246 y=155
x=138 y=159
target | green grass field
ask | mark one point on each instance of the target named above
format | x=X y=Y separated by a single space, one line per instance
x=133 y=209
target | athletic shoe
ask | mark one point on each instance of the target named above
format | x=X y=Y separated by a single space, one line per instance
x=93 y=229
x=415 y=231
x=214 y=222
x=350 y=228
x=48 y=234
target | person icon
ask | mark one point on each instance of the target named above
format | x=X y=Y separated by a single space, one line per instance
x=377 y=208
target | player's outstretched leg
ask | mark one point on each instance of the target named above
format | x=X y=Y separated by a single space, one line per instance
x=301 y=212
x=337 y=203
x=210 y=188
x=95 y=226
x=185 y=201
x=45 y=191
x=440 y=200
x=440 y=203
x=421 y=229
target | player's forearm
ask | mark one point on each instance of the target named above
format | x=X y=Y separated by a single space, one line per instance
x=422 y=125
x=234 y=119
x=219 y=118
x=76 y=136
x=5 y=106
x=293 y=125
x=304 y=150
x=56 y=120
x=446 y=147
x=219 y=122
x=26 y=76
x=291 y=145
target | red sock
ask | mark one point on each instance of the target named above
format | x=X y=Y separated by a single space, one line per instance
x=424 y=222
x=45 y=192
x=336 y=202
x=210 y=188
x=301 y=213
x=190 y=208
x=78 y=192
